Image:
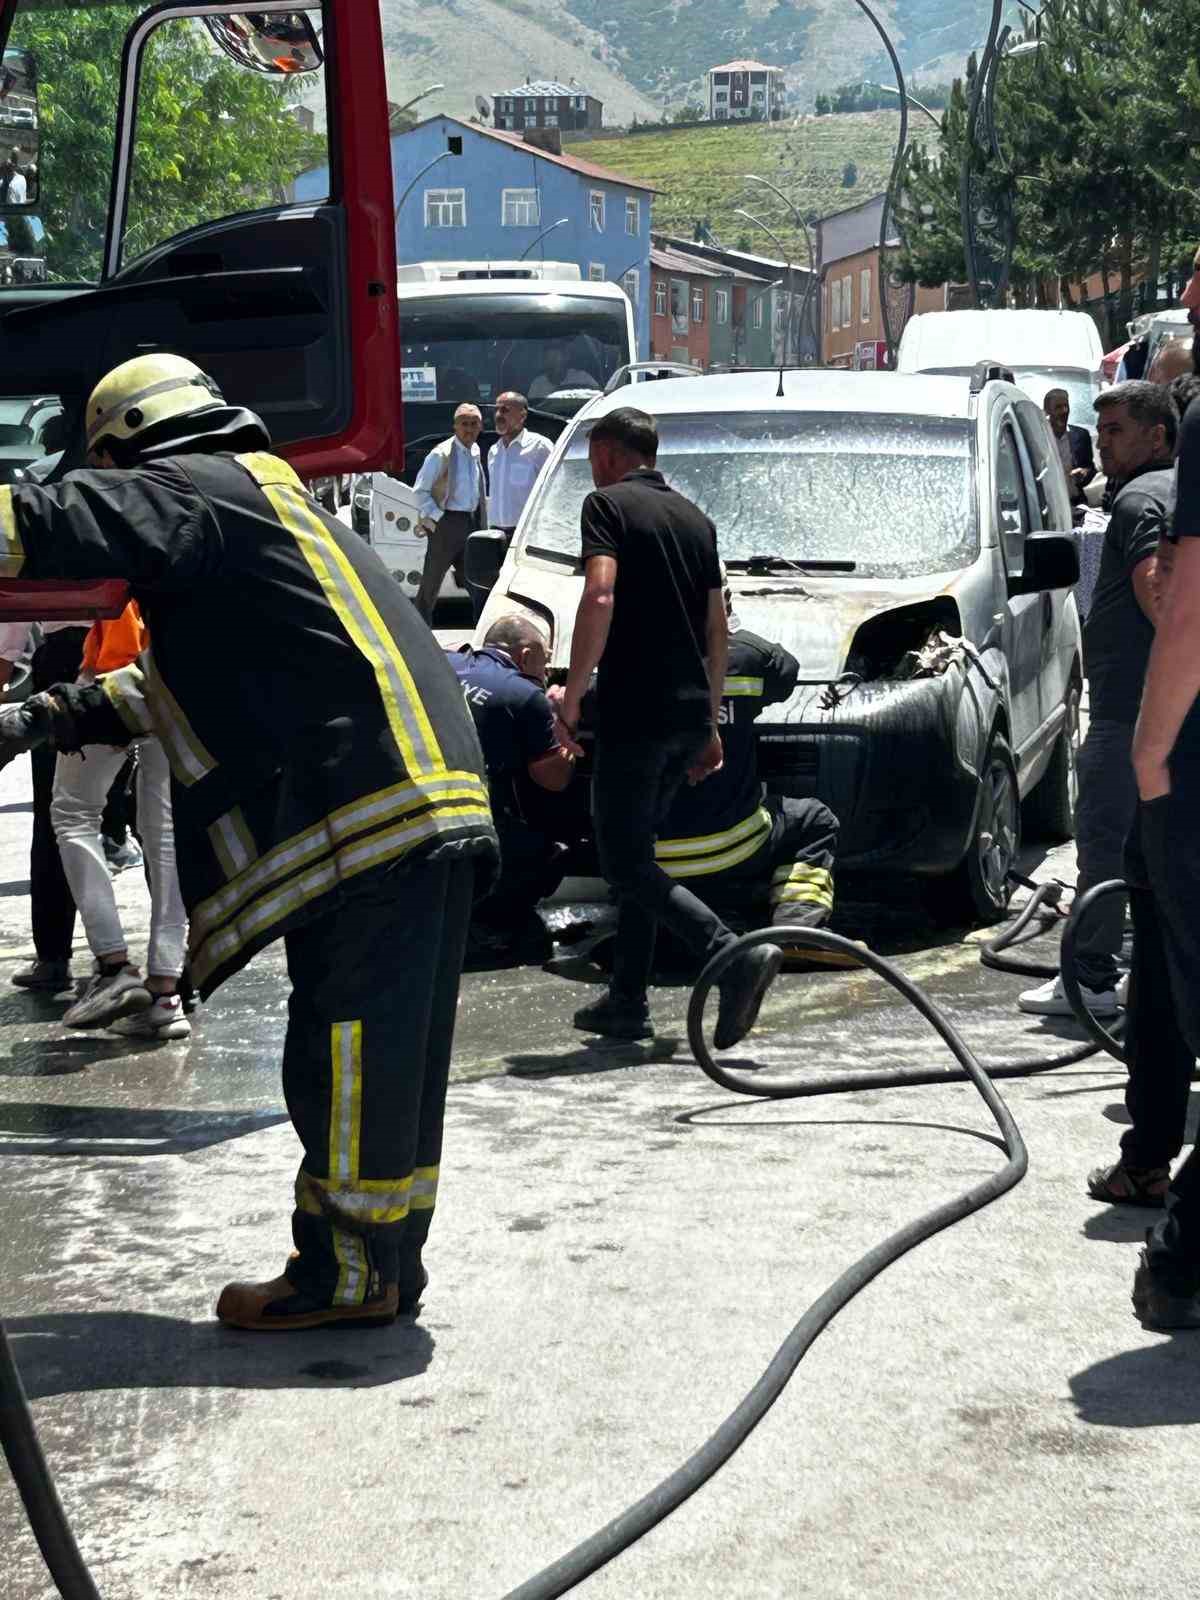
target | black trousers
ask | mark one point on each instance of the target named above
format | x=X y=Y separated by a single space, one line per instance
x=51 y=906
x=366 y=1063
x=531 y=867
x=1163 y=867
x=633 y=784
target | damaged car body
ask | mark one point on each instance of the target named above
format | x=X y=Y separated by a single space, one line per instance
x=907 y=540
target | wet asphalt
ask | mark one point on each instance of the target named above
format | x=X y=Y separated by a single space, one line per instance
x=619 y=1249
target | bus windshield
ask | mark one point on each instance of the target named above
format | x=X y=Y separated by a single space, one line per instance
x=472 y=348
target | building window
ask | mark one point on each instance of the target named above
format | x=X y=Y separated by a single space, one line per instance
x=722 y=115
x=721 y=306
x=596 y=271
x=835 y=303
x=660 y=298
x=847 y=300
x=596 y=209
x=519 y=208
x=758 y=310
x=445 y=208
x=722 y=95
x=581 y=102
x=550 y=122
x=633 y=214
x=697 y=304
x=631 y=285
x=864 y=294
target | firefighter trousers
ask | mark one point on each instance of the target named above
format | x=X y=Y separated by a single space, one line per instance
x=366 y=1063
x=789 y=876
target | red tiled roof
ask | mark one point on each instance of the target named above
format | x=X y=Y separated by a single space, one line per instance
x=586 y=169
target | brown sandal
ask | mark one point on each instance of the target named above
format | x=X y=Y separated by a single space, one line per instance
x=1120 y=1185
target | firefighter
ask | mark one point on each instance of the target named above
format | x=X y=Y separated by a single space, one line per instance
x=327 y=788
x=726 y=838
x=528 y=769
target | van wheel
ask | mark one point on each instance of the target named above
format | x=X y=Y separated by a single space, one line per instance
x=979 y=889
x=1050 y=809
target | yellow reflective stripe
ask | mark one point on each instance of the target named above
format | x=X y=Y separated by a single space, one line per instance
x=353 y=1272
x=424 y=1188
x=345 y=1101
x=189 y=760
x=231 y=840
x=125 y=691
x=347 y=862
x=266 y=468
x=12 y=551
x=343 y=589
x=799 y=872
x=802 y=884
x=345 y=821
x=758 y=824
x=743 y=686
x=704 y=866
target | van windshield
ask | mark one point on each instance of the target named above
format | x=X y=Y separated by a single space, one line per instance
x=893 y=494
x=472 y=348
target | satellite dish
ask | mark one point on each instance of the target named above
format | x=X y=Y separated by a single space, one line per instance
x=482 y=106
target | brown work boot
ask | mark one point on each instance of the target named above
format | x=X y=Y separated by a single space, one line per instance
x=279 y=1307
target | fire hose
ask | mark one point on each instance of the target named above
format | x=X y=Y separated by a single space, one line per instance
x=45 y=1511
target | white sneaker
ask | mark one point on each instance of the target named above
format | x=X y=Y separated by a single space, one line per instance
x=164 y=1020
x=1051 y=1001
x=107 y=996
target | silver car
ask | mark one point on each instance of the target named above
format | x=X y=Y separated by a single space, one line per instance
x=908 y=540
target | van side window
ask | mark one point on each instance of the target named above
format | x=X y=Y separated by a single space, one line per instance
x=1012 y=512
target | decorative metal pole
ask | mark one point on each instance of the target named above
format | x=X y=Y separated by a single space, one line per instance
x=985 y=198
x=896 y=299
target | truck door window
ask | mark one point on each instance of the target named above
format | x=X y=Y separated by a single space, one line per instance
x=215 y=138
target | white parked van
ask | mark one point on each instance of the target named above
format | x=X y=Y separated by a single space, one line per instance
x=1043 y=349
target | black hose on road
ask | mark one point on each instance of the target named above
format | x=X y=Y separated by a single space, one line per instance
x=624 y=1530
x=1107 y=1040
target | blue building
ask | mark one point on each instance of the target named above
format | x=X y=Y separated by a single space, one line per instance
x=466 y=192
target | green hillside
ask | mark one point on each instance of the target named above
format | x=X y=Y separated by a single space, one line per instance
x=700 y=172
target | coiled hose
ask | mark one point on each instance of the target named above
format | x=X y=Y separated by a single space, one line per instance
x=45 y=1511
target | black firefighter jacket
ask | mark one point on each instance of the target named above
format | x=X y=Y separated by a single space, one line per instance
x=316 y=734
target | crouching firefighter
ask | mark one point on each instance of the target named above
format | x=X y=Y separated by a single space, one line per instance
x=728 y=839
x=327 y=788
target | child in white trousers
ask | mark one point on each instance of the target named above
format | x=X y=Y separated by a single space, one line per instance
x=117 y=996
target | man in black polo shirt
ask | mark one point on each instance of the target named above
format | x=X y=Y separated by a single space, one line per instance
x=652 y=618
x=1163 y=868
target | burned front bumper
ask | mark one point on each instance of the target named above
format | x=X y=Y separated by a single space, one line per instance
x=897 y=763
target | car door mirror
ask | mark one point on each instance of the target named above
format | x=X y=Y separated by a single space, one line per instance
x=268 y=41
x=484 y=558
x=1051 y=562
x=19 y=151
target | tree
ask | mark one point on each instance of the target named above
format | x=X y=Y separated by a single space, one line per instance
x=213 y=138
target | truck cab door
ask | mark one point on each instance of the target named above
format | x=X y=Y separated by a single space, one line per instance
x=230 y=200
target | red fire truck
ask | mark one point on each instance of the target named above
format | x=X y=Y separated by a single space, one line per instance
x=148 y=158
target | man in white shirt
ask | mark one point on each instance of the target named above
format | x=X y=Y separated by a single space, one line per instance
x=558 y=375
x=514 y=462
x=12 y=181
x=453 y=499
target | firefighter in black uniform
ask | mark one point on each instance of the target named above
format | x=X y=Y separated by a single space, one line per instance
x=731 y=842
x=327 y=786
x=528 y=769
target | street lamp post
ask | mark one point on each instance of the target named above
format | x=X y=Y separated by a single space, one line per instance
x=432 y=89
x=886 y=88
x=561 y=223
x=986 y=206
x=411 y=185
x=791 y=271
x=814 y=267
x=899 y=309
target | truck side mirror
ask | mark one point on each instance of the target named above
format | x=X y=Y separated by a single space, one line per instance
x=1051 y=562
x=268 y=41
x=19 y=149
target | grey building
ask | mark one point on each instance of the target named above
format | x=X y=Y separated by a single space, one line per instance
x=546 y=105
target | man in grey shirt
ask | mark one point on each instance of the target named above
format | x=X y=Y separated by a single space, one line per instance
x=1138 y=428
